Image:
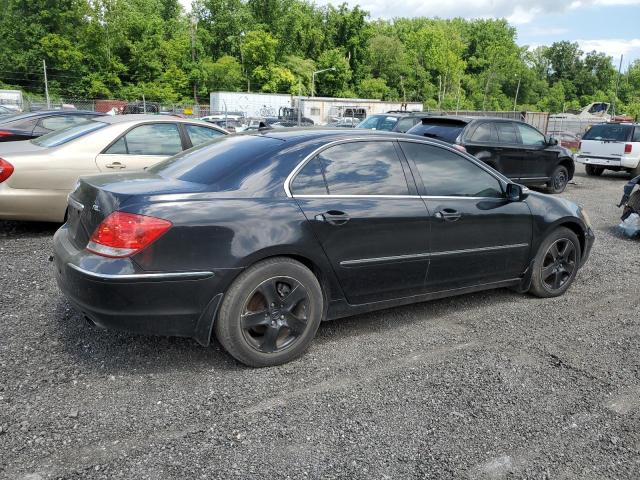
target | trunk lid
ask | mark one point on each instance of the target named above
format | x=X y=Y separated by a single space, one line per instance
x=96 y=196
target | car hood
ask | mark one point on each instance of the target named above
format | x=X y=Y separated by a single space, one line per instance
x=24 y=146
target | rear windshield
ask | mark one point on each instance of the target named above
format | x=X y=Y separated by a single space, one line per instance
x=445 y=131
x=210 y=163
x=65 y=135
x=609 y=131
x=379 y=122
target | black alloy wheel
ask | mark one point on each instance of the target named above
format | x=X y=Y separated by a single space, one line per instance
x=559 y=180
x=270 y=313
x=558 y=265
x=275 y=314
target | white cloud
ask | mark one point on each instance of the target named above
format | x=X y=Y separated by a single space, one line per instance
x=516 y=11
x=613 y=47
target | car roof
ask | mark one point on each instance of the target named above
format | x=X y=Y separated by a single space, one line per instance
x=141 y=117
x=297 y=135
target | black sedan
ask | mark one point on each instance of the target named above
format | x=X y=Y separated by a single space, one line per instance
x=26 y=126
x=257 y=238
x=514 y=148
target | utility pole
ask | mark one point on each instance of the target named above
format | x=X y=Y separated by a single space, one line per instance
x=515 y=99
x=613 y=111
x=299 y=102
x=486 y=89
x=313 y=79
x=194 y=26
x=458 y=95
x=46 y=84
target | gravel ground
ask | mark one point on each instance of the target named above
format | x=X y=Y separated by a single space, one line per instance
x=484 y=386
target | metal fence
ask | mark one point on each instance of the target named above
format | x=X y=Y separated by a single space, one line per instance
x=543 y=121
x=115 y=106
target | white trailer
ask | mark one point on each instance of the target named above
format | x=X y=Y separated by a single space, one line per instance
x=251 y=104
x=11 y=99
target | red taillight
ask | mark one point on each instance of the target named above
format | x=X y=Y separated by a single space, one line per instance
x=459 y=147
x=6 y=169
x=4 y=133
x=122 y=234
x=628 y=147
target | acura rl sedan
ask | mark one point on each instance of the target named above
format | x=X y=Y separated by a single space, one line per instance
x=37 y=175
x=258 y=238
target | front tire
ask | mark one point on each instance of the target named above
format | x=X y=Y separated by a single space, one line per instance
x=271 y=313
x=559 y=180
x=556 y=264
x=593 y=171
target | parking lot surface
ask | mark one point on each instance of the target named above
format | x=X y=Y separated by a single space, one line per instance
x=483 y=386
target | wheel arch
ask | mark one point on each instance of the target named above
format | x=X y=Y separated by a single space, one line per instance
x=575 y=227
x=569 y=164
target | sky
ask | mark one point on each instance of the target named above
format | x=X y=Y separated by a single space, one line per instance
x=610 y=26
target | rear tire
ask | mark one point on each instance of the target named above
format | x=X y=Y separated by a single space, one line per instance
x=635 y=171
x=271 y=313
x=556 y=264
x=593 y=171
x=559 y=180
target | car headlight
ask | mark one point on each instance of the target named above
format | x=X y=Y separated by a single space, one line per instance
x=585 y=217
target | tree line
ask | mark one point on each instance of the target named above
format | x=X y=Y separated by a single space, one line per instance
x=129 y=48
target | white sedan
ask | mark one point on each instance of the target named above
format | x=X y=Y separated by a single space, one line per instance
x=37 y=175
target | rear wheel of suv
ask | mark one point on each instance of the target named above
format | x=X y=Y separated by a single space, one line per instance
x=635 y=171
x=593 y=171
x=556 y=264
x=271 y=313
x=559 y=180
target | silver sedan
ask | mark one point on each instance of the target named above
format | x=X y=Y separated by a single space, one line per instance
x=37 y=175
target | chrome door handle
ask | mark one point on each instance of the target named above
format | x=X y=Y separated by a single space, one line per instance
x=333 y=217
x=448 y=215
x=117 y=165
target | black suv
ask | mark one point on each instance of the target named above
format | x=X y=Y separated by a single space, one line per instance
x=515 y=149
x=393 y=121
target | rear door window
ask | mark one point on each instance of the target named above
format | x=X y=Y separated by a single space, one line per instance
x=485 y=133
x=447 y=174
x=363 y=168
x=199 y=134
x=507 y=132
x=636 y=135
x=310 y=180
x=162 y=139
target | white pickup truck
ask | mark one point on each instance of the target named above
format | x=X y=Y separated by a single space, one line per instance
x=611 y=146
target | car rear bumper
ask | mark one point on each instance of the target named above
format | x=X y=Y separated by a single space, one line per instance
x=621 y=162
x=116 y=294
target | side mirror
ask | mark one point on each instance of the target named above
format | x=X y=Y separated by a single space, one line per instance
x=515 y=192
x=552 y=141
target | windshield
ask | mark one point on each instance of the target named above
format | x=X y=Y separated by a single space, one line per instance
x=379 y=122
x=444 y=131
x=609 y=132
x=65 y=135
